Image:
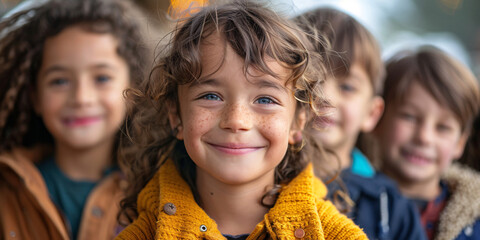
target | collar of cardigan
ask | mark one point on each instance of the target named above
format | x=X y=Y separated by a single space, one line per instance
x=296 y=207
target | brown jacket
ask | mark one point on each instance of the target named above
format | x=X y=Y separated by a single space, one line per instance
x=26 y=211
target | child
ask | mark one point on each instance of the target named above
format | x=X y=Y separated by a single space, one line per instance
x=431 y=100
x=63 y=67
x=353 y=89
x=221 y=157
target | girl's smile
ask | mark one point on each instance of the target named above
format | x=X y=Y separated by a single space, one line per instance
x=79 y=90
x=81 y=121
x=235 y=149
x=235 y=124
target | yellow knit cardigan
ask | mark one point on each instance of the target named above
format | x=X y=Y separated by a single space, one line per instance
x=300 y=205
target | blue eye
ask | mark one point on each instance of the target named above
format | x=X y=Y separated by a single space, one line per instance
x=265 y=100
x=443 y=127
x=408 y=116
x=102 y=78
x=58 y=82
x=211 y=96
x=347 y=87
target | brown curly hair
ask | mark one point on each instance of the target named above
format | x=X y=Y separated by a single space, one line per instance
x=22 y=38
x=254 y=32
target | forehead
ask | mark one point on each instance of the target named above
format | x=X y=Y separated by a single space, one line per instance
x=217 y=57
x=77 y=43
x=419 y=97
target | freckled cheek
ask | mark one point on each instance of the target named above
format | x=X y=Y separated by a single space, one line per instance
x=274 y=128
x=199 y=120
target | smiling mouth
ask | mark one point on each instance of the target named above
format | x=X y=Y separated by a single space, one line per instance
x=416 y=158
x=234 y=149
x=81 y=121
x=324 y=122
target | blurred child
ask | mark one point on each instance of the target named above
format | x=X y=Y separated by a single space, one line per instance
x=63 y=67
x=353 y=88
x=431 y=100
x=221 y=155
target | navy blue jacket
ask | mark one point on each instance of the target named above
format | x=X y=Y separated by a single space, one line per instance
x=380 y=209
x=471 y=232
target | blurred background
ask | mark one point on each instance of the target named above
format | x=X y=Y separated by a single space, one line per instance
x=452 y=25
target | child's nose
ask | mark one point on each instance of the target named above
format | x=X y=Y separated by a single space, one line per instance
x=83 y=93
x=236 y=118
x=425 y=134
x=331 y=92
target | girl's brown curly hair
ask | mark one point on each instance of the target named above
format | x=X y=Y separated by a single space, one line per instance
x=22 y=38
x=254 y=32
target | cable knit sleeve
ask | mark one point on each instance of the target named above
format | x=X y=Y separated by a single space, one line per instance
x=336 y=225
x=144 y=227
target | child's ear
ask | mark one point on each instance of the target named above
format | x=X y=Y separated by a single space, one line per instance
x=297 y=127
x=460 y=146
x=175 y=121
x=375 y=112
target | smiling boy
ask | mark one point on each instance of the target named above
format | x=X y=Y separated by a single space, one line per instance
x=353 y=89
x=431 y=100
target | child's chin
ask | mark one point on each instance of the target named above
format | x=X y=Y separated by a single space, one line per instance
x=414 y=173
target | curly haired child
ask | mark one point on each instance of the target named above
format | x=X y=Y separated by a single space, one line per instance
x=431 y=100
x=220 y=124
x=353 y=88
x=63 y=67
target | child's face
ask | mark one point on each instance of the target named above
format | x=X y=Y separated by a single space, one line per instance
x=79 y=88
x=355 y=109
x=419 y=137
x=236 y=129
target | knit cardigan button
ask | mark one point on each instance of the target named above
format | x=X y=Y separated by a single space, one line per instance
x=203 y=228
x=299 y=233
x=169 y=208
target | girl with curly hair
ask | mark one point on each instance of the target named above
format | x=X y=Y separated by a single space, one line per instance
x=64 y=66
x=223 y=154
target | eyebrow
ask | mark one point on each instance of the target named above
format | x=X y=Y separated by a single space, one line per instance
x=408 y=103
x=104 y=65
x=355 y=76
x=59 y=68
x=54 y=68
x=261 y=83
x=201 y=82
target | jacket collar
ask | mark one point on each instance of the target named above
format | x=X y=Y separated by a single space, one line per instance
x=361 y=165
x=190 y=220
x=463 y=207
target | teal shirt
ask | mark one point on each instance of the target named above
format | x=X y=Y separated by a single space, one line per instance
x=68 y=195
x=360 y=164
